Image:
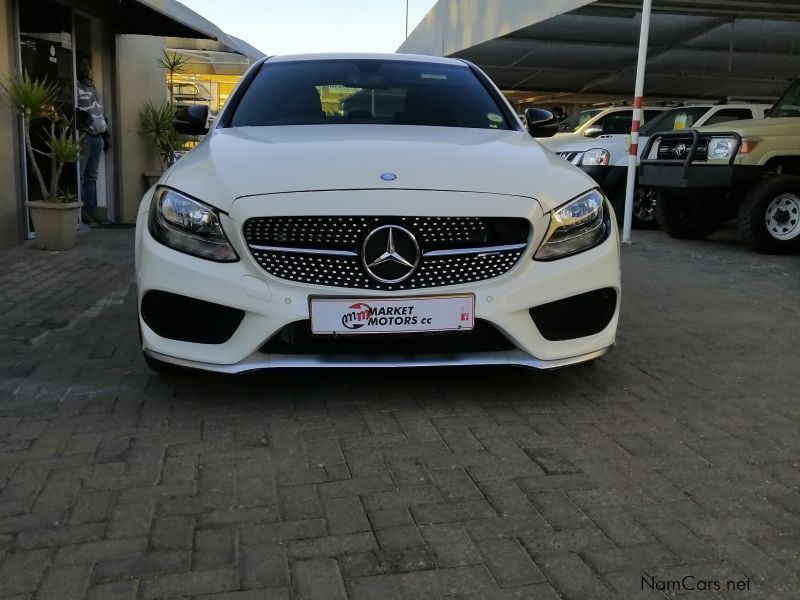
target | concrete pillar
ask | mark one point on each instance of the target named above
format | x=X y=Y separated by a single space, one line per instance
x=139 y=79
x=10 y=181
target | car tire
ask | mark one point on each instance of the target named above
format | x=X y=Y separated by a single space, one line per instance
x=644 y=214
x=644 y=209
x=686 y=218
x=769 y=217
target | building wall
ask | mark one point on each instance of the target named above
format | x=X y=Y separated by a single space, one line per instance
x=139 y=79
x=10 y=180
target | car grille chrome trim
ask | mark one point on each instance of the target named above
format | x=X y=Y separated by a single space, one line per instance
x=678 y=148
x=487 y=250
x=571 y=156
x=303 y=250
x=327 y=251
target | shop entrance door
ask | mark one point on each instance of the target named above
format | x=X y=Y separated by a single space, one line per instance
x=46 y=50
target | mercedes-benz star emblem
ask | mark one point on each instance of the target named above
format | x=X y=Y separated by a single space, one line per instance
x=390 y=254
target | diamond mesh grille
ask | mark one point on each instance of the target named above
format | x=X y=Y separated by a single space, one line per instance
x=287 y=237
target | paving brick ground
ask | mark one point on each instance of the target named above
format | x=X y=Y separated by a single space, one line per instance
x=676 y=455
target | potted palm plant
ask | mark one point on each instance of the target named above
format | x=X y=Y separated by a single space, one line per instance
x=55 y=217
x=156 y=121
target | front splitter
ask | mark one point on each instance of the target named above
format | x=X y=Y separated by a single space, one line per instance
x=259 y=361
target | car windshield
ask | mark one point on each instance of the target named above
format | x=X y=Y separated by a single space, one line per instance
x=368 y=91
x=675 y=119
x=573 y=122
x=789 y=104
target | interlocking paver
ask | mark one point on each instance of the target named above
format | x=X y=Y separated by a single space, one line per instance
x=674 y=455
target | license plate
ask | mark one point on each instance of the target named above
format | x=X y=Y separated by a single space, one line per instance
x=392 y=315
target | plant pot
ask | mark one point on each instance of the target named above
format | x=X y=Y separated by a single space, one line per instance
x=55 y=223
x=151 y=178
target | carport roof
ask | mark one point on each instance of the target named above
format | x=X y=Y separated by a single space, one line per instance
x=698 y=48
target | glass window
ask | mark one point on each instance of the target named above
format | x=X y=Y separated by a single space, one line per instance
x=368 y=91
x=615 y=122
x=677 y=118
x=578 y=120
x=649 y=115
x=729 y=114
x=789 y=104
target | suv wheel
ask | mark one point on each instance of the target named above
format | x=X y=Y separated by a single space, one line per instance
x=769 y=218
x=687 y=218
x=644 y=209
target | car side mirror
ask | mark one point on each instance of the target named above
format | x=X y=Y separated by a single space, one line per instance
x=593 y=131
x=541 y=123
x=191 y=120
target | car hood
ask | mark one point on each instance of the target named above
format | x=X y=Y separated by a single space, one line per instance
x=747 y=127
x=248 y=161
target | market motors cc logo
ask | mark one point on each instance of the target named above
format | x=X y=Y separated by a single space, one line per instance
x=390 y=254
x=357 y=316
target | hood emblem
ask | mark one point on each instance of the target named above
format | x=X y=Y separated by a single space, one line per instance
x=390 y=254
x=388 y=176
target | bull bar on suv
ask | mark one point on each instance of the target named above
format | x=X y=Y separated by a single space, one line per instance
x=681 y=163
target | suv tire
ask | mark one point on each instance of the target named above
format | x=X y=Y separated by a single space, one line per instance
x=687 y=218
x=644 y=203
x=769 y=217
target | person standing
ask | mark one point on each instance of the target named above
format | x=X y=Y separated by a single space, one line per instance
x=93 y=127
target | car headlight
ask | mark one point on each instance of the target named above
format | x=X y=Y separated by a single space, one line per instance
x=578 y=225
x=189 y=226
x=595 y=156
x=720 y=148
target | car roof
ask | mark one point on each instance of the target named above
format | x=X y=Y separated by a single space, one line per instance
x=419 y=58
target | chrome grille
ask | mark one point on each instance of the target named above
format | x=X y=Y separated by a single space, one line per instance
x=327 y=250
x=349 y=232
x=678 y=148
x=572 y=156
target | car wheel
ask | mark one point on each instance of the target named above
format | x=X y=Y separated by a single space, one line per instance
x=686 y=218
x=644 y=209
x=769 y=217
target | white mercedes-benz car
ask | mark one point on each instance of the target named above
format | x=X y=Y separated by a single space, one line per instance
x=373 y=210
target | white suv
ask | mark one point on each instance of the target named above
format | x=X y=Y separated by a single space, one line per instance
x=605 y=157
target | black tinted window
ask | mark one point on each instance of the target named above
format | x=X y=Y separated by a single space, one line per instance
x=367 y=91
x=616 y=122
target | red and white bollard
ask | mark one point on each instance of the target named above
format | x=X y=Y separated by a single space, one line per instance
x=637 y=119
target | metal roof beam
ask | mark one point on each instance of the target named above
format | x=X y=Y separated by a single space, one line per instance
x=689 y=36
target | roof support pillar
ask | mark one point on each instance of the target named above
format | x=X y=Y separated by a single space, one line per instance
x=630 y=188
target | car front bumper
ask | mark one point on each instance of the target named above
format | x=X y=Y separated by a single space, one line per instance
x=666 y=176
x=269 y=304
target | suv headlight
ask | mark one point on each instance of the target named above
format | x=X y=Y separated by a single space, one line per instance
x=579 y=225
x=189 y=226
x=595 y=156
x=720 y=148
